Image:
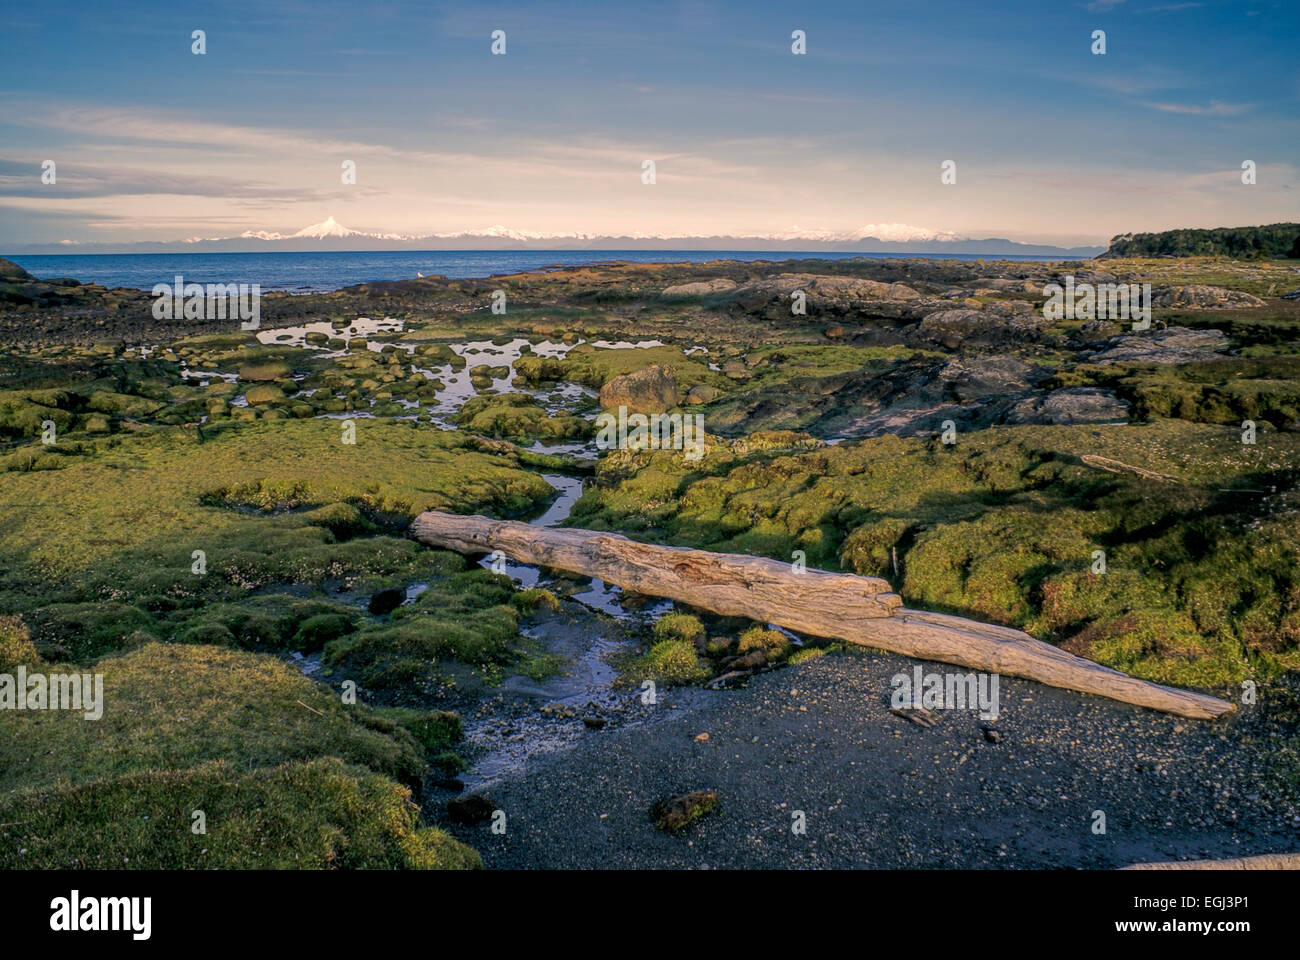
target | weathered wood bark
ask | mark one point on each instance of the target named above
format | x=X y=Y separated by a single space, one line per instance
x=732 y=584
x=1265 y=861
x=843 y=606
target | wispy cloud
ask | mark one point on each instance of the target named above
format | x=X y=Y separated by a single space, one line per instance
x=20 y=178
x=1215 y=108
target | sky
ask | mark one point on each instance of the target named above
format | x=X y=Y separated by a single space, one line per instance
x=1051 y=142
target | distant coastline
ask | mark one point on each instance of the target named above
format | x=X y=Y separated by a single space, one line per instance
x=324 y=271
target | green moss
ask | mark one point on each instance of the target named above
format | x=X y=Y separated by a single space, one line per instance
x=514 y=415
x=1227 y=390
x=668 y=662
x=16 y=647
x=147 y=501
x=82 y=631
x=774 y=644
x=678 y=626
x=594 y=366
x=322 y=814
x=804 y=654
x=529 y=600
x=1004 y=526
x=266 y=370
x=169 y=706
x=467 y=618
x=434 y=730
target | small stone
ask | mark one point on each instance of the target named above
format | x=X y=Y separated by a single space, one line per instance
x=673 y=814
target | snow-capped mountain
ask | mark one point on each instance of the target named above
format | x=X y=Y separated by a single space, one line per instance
x=327 y=228
x=329 y=234
x=887 y=232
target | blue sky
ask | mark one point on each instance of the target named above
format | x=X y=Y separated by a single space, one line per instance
x=1051 y=142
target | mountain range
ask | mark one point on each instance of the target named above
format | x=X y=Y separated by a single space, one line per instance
x=329 y=234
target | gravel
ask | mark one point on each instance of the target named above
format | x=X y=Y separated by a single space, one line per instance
x=877 y=790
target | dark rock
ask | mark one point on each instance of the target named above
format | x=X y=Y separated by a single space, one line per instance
x=673 y=814
x=964 y=325
x=593 y=722
x=1202 y=296
x=1070 y=405
x=1095 y=330
x=1171 y=345
x=470 y=809
x=992 y=734
x=386 y=601
x=11 y=271
x=829 y=296
x=988 y=376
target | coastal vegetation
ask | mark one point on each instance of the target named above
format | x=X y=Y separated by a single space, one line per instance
x=217 y=520
x=1273 y=240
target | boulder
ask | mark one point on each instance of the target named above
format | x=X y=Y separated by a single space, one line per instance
x=702 y=393
x=1203 y=296
x=1171 y=345
x=649 y=390
x=700 y=287
x=11 y=272
x=1070 y=405
x=772 y=297
x=266 y=370
x=952 y=327
x=263 y=393
x=987 y=376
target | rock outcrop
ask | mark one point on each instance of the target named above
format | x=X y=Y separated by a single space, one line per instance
x=965 y=325
x=1070 y=405
x=1203 y=296
x=1171 y=345
x=700 y=287
x=10 y=271
x=825 y=296
x=650 y=390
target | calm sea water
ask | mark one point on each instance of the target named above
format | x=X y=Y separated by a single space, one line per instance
x=315 y=272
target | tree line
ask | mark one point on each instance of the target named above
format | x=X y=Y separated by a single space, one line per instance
x=1242 y=243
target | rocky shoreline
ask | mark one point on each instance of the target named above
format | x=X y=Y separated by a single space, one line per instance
x=233 y=507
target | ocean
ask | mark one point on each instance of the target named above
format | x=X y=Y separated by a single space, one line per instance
x=320 y=272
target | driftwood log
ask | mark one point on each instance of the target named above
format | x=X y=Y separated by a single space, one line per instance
x=842 y=606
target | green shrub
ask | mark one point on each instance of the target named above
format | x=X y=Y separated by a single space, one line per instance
x=668 y=662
